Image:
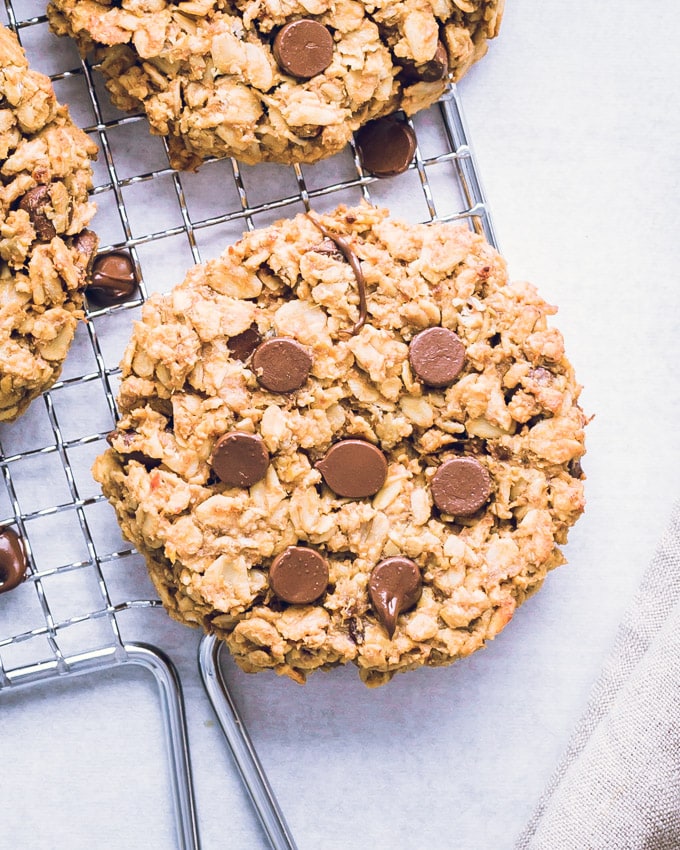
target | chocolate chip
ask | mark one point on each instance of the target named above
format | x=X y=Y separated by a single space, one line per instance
x=240 y=459
x=303 y=48
x=298 y=575
x=353 y=468
x=128 y=437
x=34 y=203
x=281 y=364
x=386 y=146
x=86 y=243
x=460 y=486
x=437 y=356
x=242 y=345
x=432 y=71
x=113 y=278
x=395 y=585
x=12 y=560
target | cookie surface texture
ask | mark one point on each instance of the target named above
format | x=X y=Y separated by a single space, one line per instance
x=512 y=412
x=282 y=82
x=45 y=248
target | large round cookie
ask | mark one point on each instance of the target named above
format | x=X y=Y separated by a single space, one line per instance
x=279 y=81
x=45 y=250
x=347 y=439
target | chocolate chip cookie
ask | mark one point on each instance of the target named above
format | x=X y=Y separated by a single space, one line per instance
x=282 y=82
x=45 y=248
x=348 y=439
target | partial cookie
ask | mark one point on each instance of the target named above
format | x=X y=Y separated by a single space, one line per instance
x=283 y=82
x=348 y=439
x=45 y=248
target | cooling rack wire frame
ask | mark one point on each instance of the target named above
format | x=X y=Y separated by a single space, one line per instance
x=67 y=617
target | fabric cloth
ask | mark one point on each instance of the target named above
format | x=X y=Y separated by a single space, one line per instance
x=618 y=784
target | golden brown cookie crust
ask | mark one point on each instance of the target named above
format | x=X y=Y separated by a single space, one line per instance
x=205 y=73
x=45 y=250
x=513 y=409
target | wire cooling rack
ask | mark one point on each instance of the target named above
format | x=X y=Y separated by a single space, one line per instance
x=68 y=616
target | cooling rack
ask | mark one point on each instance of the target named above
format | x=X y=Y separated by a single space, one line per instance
x=68 y=617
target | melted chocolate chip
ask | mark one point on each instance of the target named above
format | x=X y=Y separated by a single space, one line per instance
x=242 y=345
x=395 y=586
x=460 y=486
x=34 y=203
x=328 y=247
x=432 y=71
x=356 y=630
x=113 y=278
x=353 y=468
x=345 y=249
x=437 y=356
x=298 y=575
x=12 y=560
x=386 y=146
x=281 y=364
x=240 y=459
x=499 y=452
x=303 y=48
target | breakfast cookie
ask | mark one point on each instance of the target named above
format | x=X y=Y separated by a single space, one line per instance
x=348 y=439
x=282 y=82
x=45 y=248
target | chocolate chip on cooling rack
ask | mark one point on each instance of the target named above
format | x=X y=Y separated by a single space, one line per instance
x=395 y=585
x=303 y=48
x=12 y=560
x=436 y=356
x=460 y=486
x=113 y=278
x=34 y=203
x=353 y=468
x=299 y=575
x=240 y=459
x=281 y=364
x=386 y=146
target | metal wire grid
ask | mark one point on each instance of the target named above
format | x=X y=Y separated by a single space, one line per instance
x=47 y=445
x=75 y=556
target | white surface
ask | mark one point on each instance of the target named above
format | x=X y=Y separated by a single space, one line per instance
x=575 y=122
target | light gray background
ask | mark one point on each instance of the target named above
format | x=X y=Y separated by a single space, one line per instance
x=574 y=117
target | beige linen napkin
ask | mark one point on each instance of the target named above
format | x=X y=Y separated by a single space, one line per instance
x=618 y=784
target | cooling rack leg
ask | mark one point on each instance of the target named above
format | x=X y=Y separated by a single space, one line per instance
x=172 y=707
x=172 y=711
x=252 y=773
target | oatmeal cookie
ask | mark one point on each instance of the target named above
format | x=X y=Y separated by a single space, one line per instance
x=348 y=439
x=45 y=248
x=274 y=81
